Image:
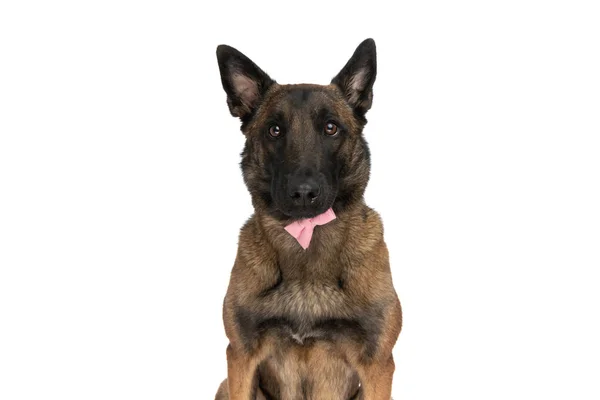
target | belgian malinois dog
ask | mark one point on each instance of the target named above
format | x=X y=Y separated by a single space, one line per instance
x=311 y=311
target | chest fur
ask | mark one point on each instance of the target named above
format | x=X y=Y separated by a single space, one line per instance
x=300 y=312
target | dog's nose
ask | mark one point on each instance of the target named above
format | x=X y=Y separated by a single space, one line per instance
x=305 y=192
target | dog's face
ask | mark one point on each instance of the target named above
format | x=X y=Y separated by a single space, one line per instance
x=304 y=149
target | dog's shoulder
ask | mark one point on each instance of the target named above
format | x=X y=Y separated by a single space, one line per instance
x=366 y=224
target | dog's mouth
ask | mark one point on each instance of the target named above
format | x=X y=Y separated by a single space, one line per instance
x=311 y=210
x=303 y=212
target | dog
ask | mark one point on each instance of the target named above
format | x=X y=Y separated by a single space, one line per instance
x=311 y=311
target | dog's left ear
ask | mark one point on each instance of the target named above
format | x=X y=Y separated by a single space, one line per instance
x=244 y=82
x=357 y=77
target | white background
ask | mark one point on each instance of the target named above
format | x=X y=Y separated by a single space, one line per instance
x=121 y=196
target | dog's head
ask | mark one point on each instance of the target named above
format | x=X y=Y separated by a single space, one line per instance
x=304 y=150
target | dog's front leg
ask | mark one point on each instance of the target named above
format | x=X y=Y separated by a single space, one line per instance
x=241 y=368
x=376 y=379
x=376 y=372
x=248 y=346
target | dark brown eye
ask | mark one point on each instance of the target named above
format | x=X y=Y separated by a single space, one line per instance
x=331 y=128
x=275 y=131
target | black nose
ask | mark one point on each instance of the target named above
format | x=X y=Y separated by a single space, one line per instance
x=305 y=192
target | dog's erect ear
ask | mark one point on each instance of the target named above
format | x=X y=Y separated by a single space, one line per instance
x=244 y=82
x=358 y=75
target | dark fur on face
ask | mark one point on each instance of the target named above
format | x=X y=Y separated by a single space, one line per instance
x=305 y=151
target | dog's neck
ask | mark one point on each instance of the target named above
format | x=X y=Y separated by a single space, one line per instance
x=353 y=221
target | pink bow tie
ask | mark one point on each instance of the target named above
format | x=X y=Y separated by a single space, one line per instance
x=303 y=229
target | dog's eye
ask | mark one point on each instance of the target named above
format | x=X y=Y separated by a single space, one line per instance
x=331 y=128
x=275 y=131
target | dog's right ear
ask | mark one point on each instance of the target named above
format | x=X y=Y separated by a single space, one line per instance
x=244 y=82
